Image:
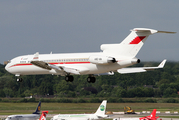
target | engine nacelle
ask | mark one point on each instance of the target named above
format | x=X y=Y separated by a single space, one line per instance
x=101 y=59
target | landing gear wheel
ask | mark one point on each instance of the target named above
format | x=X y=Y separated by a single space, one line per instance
x=88 y=79
x=91 y=79
x=69 y=78
x=19 y=79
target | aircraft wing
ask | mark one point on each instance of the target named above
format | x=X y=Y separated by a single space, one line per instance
x=62 y=70
x=58 y=69
x=140 y=69
x=41 y=64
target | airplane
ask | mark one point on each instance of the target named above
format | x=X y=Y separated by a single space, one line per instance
x=34 y=116
x=113 y=58
x=43 y=115
x=152 y=116
x=99 y=114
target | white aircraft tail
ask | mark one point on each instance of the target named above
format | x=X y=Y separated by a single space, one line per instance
x=102 y=109
x=131 y=45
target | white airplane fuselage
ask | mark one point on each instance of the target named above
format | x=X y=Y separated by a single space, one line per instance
x=76 y=117
x=21 y=65
x=23 y=117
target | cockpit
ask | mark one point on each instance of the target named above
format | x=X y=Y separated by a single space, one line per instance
x=8 y=118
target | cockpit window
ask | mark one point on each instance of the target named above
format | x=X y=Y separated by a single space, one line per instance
x=8 y=118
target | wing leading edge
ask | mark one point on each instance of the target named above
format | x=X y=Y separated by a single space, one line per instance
x=140 y=69
x=62 y=70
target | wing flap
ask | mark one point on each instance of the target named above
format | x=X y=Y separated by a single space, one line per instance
x=41 y=64
x=140 y=69
x=71 y=70
x=64 y=70
x=130 y=70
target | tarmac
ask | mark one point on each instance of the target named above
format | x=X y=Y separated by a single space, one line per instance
x=145 y=114
x=111 y=116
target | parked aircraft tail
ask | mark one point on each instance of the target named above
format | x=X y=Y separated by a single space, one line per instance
x=43 y=115
x=152 y=116
x=37 y=111
x=101 y=110
x=131 y=45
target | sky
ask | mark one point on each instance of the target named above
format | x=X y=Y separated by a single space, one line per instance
x=68 y=26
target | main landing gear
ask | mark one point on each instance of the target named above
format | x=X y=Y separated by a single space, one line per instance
x=69 y=78
x=90 y=79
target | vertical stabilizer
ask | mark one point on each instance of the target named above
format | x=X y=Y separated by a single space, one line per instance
x=152 y=116
x=131 y=45
x=43 y=115
x=102 y=109
x=37 y=111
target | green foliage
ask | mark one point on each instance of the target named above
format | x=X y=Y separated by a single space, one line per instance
x=31 y=100
x=163 y=83
x=149 y=100
x=171 y=100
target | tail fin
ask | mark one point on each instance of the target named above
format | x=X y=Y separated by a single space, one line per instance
x=37 y=111
x=131 y=45
x=102 y=109
x=152 y=116
x=43 y=115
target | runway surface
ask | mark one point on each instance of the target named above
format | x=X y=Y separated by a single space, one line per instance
x=121 y=116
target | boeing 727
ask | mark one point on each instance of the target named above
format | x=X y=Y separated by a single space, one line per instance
x=113 y=58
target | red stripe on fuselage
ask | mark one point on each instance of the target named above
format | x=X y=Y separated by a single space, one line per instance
x=137 y=40
x=51 y=63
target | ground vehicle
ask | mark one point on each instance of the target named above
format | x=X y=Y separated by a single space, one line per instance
x=128 y=110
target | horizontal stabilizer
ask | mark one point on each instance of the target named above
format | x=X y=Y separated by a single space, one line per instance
x=166 y=32
x=140 y=69
x=152 y=31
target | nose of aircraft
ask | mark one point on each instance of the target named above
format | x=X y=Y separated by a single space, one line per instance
x=7 y=67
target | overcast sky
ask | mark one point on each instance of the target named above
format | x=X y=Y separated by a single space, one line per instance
x=62 y=26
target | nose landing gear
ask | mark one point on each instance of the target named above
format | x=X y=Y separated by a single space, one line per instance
x=19 y=80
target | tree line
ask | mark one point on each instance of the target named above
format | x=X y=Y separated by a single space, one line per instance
x=162 y=83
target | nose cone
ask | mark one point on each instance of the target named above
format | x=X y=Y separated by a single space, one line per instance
x=7 y=67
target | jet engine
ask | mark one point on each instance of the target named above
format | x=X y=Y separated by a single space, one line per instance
x=101 y=59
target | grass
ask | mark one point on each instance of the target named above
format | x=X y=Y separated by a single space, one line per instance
x=70 y=108
x=55 y=108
